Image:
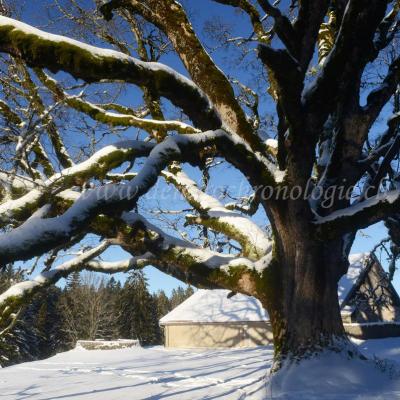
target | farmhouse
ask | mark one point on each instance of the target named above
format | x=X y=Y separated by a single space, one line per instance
x=369 y=304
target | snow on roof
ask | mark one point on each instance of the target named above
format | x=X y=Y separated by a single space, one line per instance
x=358 y=262
x=214 y=306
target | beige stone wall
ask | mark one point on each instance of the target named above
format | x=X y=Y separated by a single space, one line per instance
x=374 y=301
x=249 y=334
x=107 y=344
x=373 y=330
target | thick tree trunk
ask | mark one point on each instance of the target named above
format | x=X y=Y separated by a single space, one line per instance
x=304 y=311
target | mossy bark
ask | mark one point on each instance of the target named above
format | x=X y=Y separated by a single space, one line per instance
x=303 y=304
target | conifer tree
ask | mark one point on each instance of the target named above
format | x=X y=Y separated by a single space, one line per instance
x=179 y=295
x=19 y=341
x=137 y=317
x=163 y=304
x=48 y=323
x=73 y=280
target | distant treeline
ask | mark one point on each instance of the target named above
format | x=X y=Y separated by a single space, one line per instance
x=88 y=307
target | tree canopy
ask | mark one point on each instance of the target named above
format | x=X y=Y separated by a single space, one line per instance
x=301 y=124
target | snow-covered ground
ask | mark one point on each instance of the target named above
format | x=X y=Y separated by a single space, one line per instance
x=337 y=376
x=158 y=373
x=139 y=373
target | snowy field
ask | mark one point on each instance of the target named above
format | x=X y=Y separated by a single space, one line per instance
x=158 y=373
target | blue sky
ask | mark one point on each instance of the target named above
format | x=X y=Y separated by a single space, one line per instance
x=202 y=12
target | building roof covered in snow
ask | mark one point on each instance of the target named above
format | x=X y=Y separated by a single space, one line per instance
x=214 y=306
x=358 y=264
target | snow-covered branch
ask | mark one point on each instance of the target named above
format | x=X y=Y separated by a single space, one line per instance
x=179 y=258
x=188 y=262
x=96 y=166
x=19 y=294
x=100 y=114
x=360 y=215
x=55 y=52
x=19 y=183
x=213 y=214
x=37 y=235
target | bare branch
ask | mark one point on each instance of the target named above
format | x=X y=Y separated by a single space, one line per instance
x=9 y=114
x=306 y=27
x=377 y=99
x=98 y=113
x=341 y=73
x=51 y=128
x=254 y=15
x=285 y=71
x=283 y=27
x=197 y=61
